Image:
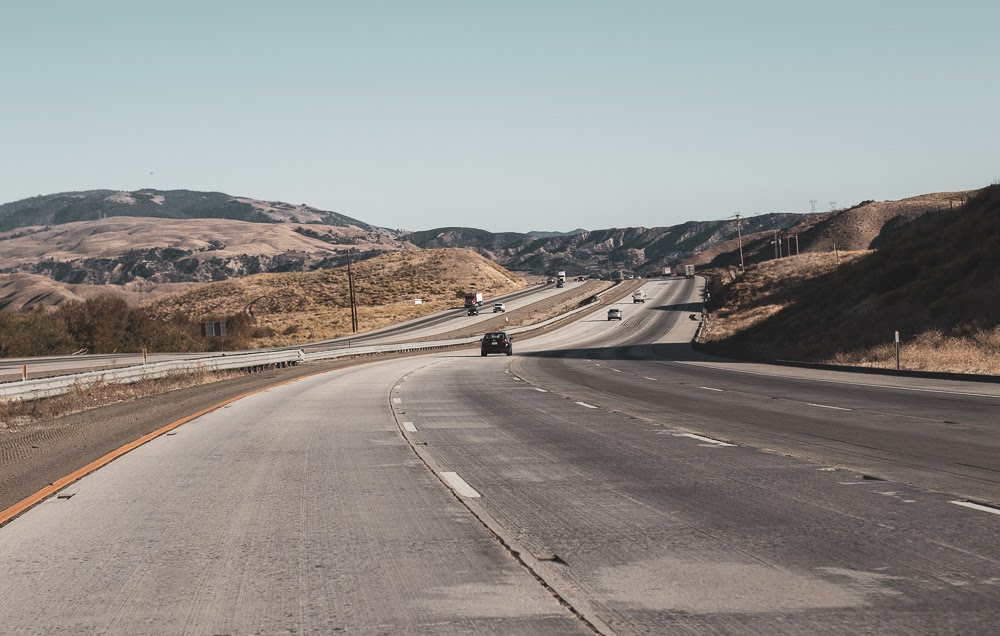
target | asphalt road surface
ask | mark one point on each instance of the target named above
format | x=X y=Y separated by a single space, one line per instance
x=418 y=328
x=606 y=478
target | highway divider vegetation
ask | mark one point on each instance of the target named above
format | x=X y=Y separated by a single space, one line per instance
x=935 y=281
x=107 y=324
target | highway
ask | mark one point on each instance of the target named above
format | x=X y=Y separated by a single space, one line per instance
x=417 y=329
x=605 y=479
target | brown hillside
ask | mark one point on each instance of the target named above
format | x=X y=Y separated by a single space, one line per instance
x=303 y=306
x=934 y=281
x=861 y=227
x=21 y=291
x=858 y=227
x=208 y=238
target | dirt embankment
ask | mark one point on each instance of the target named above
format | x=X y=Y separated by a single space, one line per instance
x=934 y=282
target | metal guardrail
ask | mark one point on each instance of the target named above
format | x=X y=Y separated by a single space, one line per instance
x=58 y=385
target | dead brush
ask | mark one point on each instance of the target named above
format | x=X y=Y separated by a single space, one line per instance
x=975 y=352
x=18 y=414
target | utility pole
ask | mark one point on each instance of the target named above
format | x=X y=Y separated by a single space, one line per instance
x=796 y=244
x=739 y=233
x=776 y=244
x=789 y=236
x=350 y=286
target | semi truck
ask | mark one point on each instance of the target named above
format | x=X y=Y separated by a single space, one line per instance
x=689 y=271
x=474 y=299
x=561 y=277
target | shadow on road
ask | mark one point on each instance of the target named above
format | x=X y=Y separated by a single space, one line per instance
x=669 y=351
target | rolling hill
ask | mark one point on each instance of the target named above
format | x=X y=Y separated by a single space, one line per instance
x=300 y=306
x=932 y=279
x=92 y=205
x=600 y=252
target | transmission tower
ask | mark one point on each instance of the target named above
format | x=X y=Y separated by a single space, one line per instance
x=833 y=205
x=812 y=204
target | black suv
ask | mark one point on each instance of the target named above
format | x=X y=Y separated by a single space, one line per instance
x=496 y=342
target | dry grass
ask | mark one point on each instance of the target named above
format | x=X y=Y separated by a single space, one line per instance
x=934 y=282
x=300 y=307
x=746 y=301
x=15 y=415
x=977 y=352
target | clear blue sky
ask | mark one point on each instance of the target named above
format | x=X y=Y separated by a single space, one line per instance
x=504 y=115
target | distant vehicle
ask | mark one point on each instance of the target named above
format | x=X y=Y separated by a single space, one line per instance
x=639 y=296
x=630 y=276
x=560 y=285
x=496 y=342
x=473 y=299
x=499 y=307
x=689 y=271
x=473 y=310
x=550 y=280
x=614 y=314
x=561 y=276
x=666 y=270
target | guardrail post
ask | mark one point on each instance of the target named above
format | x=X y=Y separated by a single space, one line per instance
x=24 y=372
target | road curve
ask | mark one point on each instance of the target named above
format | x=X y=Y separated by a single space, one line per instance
x=606 y=478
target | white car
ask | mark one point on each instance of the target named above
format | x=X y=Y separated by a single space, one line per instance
x=499 y=307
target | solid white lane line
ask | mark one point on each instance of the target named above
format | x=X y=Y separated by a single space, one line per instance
x=410 y=427
x=826 y=406
x=702 y=438
x=397 y=400
x=540 y=390
x=589 y=406
x=708 y=388
x=459 y=485
x=975 y=506
x=649 y=378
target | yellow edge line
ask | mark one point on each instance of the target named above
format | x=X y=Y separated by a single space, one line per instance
x=33 y=499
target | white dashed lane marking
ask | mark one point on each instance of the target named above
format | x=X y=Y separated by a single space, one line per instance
x=702 y=438
x=397 y=400
x=459 y=485
x=826 y=406
x=649 y=378
x=708 y=388
x=975 y=506
x=584 y=404
x=410 y=427
x=540 y=390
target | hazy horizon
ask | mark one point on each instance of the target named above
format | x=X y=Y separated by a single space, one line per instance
x=522 y=117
